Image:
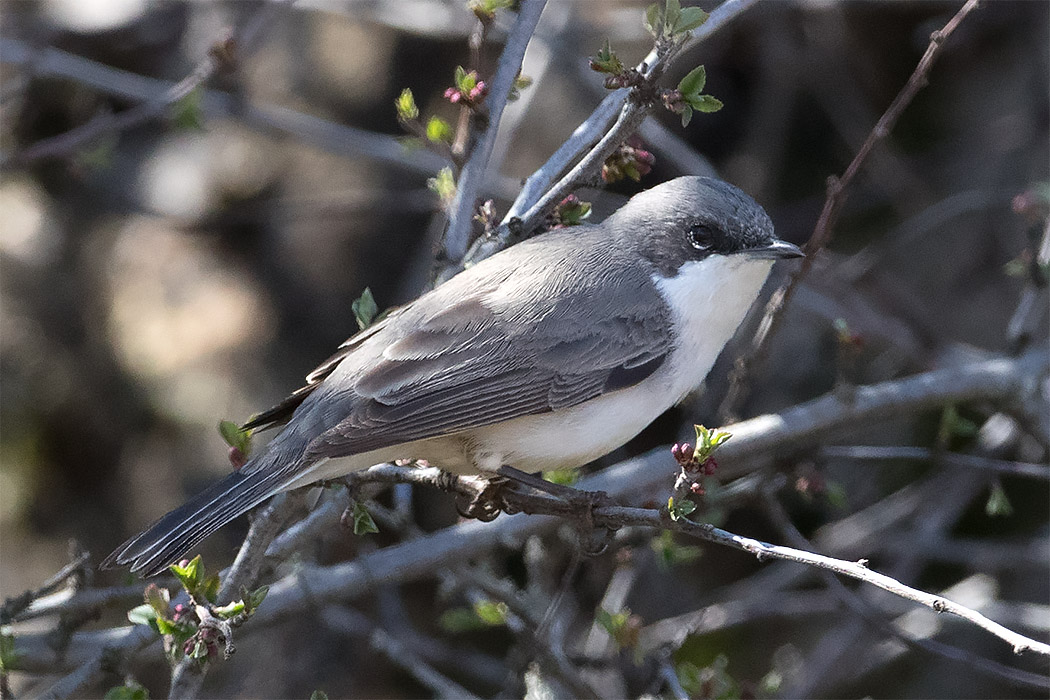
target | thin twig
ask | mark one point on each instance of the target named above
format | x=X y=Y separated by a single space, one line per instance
x=881 y=452
x=837 y=191
x=867 y=611
x=188 y=675
x=225 y=50
x=461 y=211
x=617 y=117
x=615 y=515
x=13 y=606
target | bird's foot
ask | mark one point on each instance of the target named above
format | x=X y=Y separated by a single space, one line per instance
x=487 y=503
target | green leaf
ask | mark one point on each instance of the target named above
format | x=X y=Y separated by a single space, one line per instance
x=230 y=609
x=318 y=695
x=687 y=115
x=565 y=477
x=953 y=424
x=712 y=681
x=998 y=505
x=691 y=18
x=131 y=690
x=186 y=113
x=457 y=620
x=363 y=523
x=439 y=130
x=406 y=106
x=653 y=19
x=606 y=61
x=678 y=510
x=157 y=598
x=165 y=626
x=670 y=554
x=573 y=212
x=520 y=83
x=491 y=612
x=235 y=437
x=706 y=104
x=8 y=655
x=191 y=575
x=143 y=615
x=672 y=13
x=693 y=82
x=707 y=441
x=460 y=77
x=365 y=309
x=444 y=185
x=200 y=650
x=836 y=494
x=256 y=597
x=618 y=625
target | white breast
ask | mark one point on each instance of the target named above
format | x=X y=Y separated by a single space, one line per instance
x=708 y=299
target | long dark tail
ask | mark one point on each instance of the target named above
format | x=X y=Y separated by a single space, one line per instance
x=152 y=551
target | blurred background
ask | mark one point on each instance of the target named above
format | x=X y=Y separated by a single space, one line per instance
x=195 y=267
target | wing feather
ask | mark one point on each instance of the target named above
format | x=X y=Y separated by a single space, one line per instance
x=481 y=349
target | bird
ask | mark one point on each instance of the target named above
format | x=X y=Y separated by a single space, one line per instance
x=548 y=354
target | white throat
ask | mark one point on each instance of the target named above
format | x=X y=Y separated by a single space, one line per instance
x=709 y=299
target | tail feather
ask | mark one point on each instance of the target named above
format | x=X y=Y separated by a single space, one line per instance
x=153 y=550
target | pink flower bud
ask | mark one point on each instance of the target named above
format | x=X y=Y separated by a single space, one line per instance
x=237 y=458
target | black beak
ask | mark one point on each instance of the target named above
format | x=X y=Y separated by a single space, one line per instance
x=776 y=250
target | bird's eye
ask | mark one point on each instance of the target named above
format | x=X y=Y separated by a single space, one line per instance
x=702 y=237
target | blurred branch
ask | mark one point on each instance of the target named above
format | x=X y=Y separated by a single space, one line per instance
x=332 y=137
x=13 y=606
x=837 y=190
x=475 y=170
x=347 y=620
x=223 y=54
x=102 y=659
x=880 y=452
x=872 y=615
x=1031 y=309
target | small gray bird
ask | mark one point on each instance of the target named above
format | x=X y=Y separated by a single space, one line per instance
x=549 y=354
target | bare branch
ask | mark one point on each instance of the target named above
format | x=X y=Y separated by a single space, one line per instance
x=880 y=452
x=461 y=212
x=225 y=50
x=872 y=615
x=837 y=190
